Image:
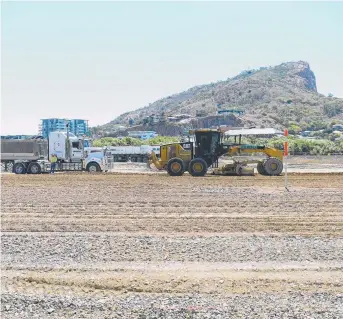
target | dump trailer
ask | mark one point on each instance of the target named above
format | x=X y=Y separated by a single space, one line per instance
x=208 y=146
x=30 y=150
x=132 y=153
x=32 y=156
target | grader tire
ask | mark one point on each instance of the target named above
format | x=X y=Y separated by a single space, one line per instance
x=260 y=169
x=273 y=166
x=197 y=167
x=175 y=167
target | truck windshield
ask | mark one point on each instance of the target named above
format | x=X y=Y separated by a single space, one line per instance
x=75 y=145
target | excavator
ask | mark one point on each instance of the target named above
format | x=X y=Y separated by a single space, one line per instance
x=204 y=150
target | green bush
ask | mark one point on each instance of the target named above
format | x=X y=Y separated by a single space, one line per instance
x=159 y=140
x=296 y=145
x=300 y=146
x=332 y=109
x=112 y=141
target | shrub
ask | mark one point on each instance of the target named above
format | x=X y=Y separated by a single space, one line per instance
x=111 y=141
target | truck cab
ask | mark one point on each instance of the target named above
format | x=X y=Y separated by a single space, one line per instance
x=67 y=147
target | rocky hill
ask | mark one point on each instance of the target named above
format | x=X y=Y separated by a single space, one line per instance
x=277 y=96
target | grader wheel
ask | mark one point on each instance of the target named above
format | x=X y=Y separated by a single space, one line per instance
x=273 y=166
x=260 y=168
x=197 y=167
x=175 y=167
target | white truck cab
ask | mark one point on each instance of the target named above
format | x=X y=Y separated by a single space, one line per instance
x=68 y=152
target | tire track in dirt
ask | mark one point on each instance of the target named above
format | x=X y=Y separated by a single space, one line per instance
x=80 y=239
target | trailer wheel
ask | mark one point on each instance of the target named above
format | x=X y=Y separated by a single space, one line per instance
x=273 y=166
x=34 y=168
x=175 y=167
x=197 y=167
x=93 y=167
x=260 y=168
x=19 y=168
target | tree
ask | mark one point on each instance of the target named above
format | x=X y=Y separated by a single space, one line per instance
x=294 y=129
x=332 y=109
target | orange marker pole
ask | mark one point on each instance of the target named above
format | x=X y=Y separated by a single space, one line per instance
x=285 y=153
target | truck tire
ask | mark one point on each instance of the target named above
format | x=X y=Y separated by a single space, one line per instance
x=197 y=167
x=273 y=166
x=19 y=168
x=34 y=168
x=93 y=167
x=260 y=168
x=175 y=167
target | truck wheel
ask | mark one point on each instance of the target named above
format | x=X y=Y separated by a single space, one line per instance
x=175 y=167
x=260 y=168
x=273 y=166
x=197 y=167
x=19 y=168
x=93 y=167
x=34 y=168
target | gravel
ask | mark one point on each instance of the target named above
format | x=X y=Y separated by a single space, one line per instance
x=149 y=246
x=317 y=305
x=62 y=249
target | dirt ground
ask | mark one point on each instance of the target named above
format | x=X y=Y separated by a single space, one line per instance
x=153 y=246
x=295 y=164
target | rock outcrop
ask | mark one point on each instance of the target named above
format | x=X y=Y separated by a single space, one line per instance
x=269 y=96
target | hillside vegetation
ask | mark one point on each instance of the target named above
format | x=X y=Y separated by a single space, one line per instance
x=126 y=141
x=278 y=96
x=296 y=145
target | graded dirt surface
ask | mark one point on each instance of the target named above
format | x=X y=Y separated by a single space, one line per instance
x=153 y=246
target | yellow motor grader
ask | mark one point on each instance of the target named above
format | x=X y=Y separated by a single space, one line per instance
x=206 y=149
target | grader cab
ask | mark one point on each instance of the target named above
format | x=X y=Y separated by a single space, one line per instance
x=208 y=146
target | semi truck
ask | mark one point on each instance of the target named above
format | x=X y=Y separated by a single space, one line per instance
x=33 y=156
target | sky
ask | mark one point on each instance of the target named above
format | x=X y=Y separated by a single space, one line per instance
x=97 y=60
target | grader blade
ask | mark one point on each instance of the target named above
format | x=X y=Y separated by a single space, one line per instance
x=235 y=169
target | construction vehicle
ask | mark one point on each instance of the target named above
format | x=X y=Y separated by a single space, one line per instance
x=204 y=151
x=32 y=155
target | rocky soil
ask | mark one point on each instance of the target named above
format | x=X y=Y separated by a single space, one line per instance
x=154 y=246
